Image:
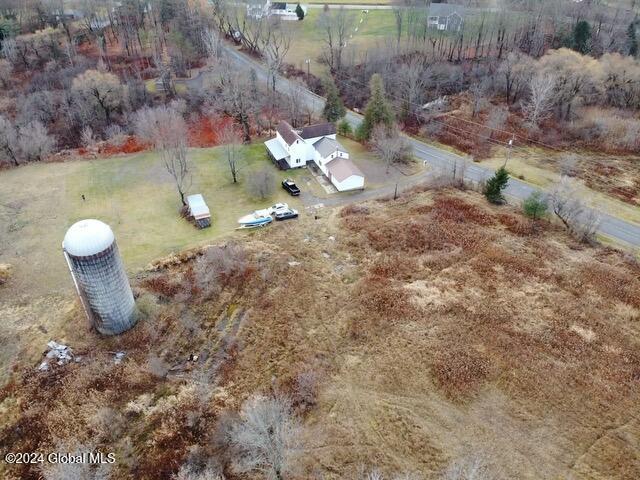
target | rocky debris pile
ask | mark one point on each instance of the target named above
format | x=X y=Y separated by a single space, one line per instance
x=58 y=353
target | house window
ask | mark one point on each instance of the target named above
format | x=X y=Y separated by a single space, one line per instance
x=297 y=160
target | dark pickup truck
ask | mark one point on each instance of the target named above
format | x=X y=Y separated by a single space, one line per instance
x=291 y=187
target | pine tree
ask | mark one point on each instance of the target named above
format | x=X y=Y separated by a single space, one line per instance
x=632 y=39
x=378 y=109
x=582 y=37
x=344 y=128
x=535 y=206
x=334 y=108
x=299 y=12
x=495 y=185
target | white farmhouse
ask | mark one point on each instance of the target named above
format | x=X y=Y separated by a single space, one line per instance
x=317 y=144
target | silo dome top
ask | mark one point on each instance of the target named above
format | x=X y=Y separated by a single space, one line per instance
x=87 y=237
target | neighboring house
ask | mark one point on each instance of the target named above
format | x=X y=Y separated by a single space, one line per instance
x=445 y=16
x=293 y=148
x=264 y=8
x=286 y=10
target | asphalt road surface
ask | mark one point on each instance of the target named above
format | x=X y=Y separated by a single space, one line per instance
x=443 y=160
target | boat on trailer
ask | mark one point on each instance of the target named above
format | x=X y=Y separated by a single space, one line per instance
x=259 y=218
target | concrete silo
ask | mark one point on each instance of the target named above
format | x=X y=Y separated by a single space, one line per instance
x=98 y=273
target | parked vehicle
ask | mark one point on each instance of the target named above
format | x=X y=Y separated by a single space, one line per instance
x=286 y=214
x=259 y=218
x=278 y=207
x=290 y=186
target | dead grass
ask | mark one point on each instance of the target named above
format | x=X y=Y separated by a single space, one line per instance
x=406 y=332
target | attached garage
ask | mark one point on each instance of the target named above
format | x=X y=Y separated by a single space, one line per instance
x=344 y=174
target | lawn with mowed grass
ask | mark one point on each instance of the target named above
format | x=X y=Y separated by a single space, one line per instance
x=133 y=194
x=308 y=39
x=376 y=29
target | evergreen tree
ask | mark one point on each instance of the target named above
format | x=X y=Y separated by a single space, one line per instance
x=344 y=128
x=495 y=185
x=632 y=39
x=582 y=37
x=334 y=108
x=378 y=109
x=535 y=206
x=299 y=12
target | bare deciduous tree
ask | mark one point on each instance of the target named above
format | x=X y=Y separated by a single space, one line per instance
x=165 y=128
x=478 y=97
x=8 y=141
x=102 y=90
x=389 y=145
x=86 y=136
x=335 y=25
x=468 y=468
x=276 y=47
x=77 y=471
x=189 y=472
x=566 y=203
x=34 y=141
x=231 y=142
x=236 y=98
x=412 y=82
x=267 y=437
x=5 y=72
x=541 y=101
x=575 y=75
x=261 y=183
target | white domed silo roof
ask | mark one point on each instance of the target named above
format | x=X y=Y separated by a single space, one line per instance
x=87 y=237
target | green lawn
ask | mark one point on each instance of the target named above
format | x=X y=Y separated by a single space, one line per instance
x=350 y=2
x=307 y=37
x=377 y=30
x=133 y=194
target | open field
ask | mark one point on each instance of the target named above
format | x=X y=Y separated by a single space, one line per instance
x=350 y=2
x=439 y=327
x=308 y=38
x=375 y=30
x=134 y=194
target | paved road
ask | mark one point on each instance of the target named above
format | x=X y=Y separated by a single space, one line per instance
x=443 y=160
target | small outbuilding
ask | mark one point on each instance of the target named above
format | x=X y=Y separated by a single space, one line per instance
x=199 y=210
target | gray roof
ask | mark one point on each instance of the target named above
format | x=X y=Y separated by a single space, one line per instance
x=287 y=132
x=445 y=9
x=343 y=168
x=326 y=146
x=318 y=130
x=276 y=149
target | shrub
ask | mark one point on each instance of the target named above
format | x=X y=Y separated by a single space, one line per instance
x=5 y=273
x=219 y=267
x=535 y=206
x=460 y=372
x=266 y=437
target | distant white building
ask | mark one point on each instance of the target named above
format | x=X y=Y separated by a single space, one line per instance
x=318 y=144
x=446 y=16
x=266 y=8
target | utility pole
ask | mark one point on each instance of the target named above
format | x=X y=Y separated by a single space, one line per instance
x=508 y=152
x=308 y=62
